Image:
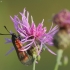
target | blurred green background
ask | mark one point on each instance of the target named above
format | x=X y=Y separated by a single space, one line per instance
x=39 y=9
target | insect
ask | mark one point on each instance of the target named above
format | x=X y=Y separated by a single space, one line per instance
x=24 y=56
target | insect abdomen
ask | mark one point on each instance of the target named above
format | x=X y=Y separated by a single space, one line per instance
x=24 y=57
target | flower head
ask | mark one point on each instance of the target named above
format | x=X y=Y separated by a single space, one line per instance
x=62 y=18
x=32 y=35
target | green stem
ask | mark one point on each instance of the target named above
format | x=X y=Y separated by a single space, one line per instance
x=59 y=56
x=34 y=64
x=56 y=66
x=35 y=57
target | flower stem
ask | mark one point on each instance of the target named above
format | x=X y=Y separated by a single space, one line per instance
x=34 y=64
x=56 y=66
x=59 y=56
x=35 y=57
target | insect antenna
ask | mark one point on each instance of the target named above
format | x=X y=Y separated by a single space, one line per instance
x=7 y=30
x=4 y=34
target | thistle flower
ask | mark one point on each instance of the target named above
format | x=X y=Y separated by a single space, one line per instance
x=62 y=18
x=62 y=37
x=33 y=36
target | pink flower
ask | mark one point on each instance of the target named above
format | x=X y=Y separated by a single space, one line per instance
x=62 y=18
x=32 y=35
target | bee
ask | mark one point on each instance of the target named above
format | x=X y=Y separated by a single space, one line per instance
x=25 y=57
